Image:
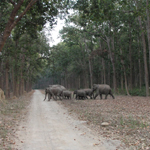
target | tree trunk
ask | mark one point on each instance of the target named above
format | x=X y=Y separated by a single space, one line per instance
x=1 y=76
x=113 y=64
x=130 y=57
x=148 y=29
x=122 y=85
x=79 y=83
x=124 y=72
x=13 y=81
x=7 y=92
x=125 y=78
x=104 y=74
x=145 y=58
x=91 y=74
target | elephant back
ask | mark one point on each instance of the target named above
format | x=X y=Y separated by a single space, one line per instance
x=102 y=88
x=55 y=90
x=57 y=85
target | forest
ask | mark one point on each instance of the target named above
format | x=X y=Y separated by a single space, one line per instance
x=103 y=42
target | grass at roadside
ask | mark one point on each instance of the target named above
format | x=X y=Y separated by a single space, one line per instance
x=11 y=111
x=128 y=118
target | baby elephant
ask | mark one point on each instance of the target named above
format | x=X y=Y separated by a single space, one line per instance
x=80 y=94
x=67 y=94
x=102 y=89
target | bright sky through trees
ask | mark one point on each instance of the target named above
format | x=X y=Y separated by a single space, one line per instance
x=53 y=34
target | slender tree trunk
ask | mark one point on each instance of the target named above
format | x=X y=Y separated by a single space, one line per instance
x=7 y=94
x=104 y=73
x=145 y=58
x=125 y=78
x=108 y=75
x=113 y=64
x=130 y=57
x=21 y=85
x=79 y=83
x=13 y=81
x=22 y=66
x=140 y=76
x=16 y=83
x=1 y=76
x=91 y=74
x=124 y=72
x=148 y=29
x=122 y=80
x=103 y=65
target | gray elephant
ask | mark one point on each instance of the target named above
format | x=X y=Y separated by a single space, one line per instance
x=57 y=85
x=47 y=92
x=80 y=94
x=102 y=89
x=67 y=94
x=56 y=92
x=53 y=92
x=89 y=92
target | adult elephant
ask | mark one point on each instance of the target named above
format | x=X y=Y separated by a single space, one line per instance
x=54 y=91
x=47 y=92
x=80 y=94
x=102 y=89
x=57 y=85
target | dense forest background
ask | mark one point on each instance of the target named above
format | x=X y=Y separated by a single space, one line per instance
x=103 y=41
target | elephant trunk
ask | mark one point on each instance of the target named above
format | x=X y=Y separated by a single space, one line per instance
x=45 y=94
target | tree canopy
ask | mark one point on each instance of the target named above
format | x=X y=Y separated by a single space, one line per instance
x=102 y=42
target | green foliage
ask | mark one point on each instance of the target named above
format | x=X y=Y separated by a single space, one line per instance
x=5 y=9
x=138 y=92
x=134 y=92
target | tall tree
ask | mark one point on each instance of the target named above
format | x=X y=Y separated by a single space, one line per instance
x=47 y=10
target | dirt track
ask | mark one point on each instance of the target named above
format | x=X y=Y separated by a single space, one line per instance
x=48 y=126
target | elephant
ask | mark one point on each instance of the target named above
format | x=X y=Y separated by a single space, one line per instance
x=89 y=92
x=56 y=91
x=67 y=94
x=102 y=89
x=53 y=92
x=47 y=92
x=80 y=94
x=57 y=85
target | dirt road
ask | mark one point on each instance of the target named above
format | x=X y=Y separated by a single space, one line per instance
x=48 y=126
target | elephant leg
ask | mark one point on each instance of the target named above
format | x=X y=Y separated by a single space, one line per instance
x=106 y=96
x=54 y=97
x=76 y=96
x=60 y=97
x=96 y=95
x=101 y=96
x=45 y=96
x=91 y=97
x=49 y=96
x=112 y=95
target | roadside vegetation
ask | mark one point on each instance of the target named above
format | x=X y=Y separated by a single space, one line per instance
x=12 y=111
